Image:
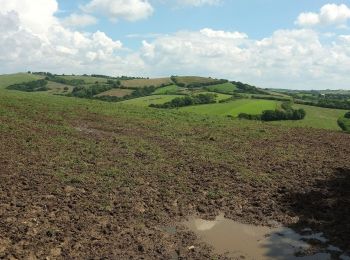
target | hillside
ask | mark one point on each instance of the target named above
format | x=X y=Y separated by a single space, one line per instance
x=123 y=175
x=86 y=178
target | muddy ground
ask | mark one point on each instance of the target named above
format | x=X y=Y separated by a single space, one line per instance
x=78 y=183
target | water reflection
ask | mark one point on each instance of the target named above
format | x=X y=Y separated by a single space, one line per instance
x=257 y=242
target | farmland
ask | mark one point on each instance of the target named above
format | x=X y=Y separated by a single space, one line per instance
x=137 y=83
x=225 y=88
x=234 y=108
x=146 y=101
x=83 y=178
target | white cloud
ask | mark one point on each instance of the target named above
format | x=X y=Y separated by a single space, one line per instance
x=330 y=14
x=26 y=44
x=288 y=58
x=199 y=2
x=130 y=10
x=79 y=20
x=210 y=33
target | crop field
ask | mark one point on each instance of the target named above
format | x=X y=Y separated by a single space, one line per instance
x=140 y=83
x=82 y=178
x=317 y=117
x=172 y=89
x=234 y=108
x=226 y=88
x=114 y=179
x=6 y=80
x=146 y=101
x=116 y=92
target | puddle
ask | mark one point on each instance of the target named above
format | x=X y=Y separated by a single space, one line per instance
x=258 y=242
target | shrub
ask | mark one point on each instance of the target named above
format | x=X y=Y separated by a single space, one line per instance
x=344 y=124
x=347 y=115
x=276 y=115
x=249 y=117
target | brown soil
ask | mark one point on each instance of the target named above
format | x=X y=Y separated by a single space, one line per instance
x=114 y=188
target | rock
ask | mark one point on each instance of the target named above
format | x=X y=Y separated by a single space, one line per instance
x=191 y=248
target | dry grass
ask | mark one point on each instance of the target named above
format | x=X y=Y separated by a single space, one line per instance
x=139 y=83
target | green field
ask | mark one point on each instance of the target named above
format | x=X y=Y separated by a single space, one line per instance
x=172 y=89
x=7 y=80
x=233 y=108
x=146 y=101
x=226 y=88
x=316 y=117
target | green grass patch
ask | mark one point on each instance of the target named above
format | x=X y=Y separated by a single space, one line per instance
x=234 y=108
x=168 y=90
x=10 y=79
x=146 y=101
x=316 y=117
x=226 y=88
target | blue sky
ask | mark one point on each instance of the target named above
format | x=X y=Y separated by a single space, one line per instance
x=257 y=18
x=299 y=44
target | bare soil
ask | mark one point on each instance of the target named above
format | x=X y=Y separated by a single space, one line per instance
x=93 y=186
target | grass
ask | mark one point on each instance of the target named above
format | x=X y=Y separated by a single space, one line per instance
x=226 y=88
x=140 y=83
x=146 y=101
x=234 y=108
x=116 y=92
x=168 y=90
x=316 y=117
x=10 y=79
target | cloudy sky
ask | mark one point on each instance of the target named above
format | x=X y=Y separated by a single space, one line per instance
x=269 y=43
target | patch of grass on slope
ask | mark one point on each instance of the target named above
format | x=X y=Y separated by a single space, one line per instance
x=172 y=89
x=146 y=101
x=10 y=79
x=316 y=117
x=226 y=88
x=234 y=108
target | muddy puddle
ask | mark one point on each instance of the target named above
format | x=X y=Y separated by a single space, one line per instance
x=241 y=241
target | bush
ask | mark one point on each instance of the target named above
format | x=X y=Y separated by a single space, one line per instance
x=347 y=115
x=276 y=115
x=344 y=124
x=249 y=117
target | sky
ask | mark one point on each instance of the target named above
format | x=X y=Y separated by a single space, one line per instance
x=296 y=44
